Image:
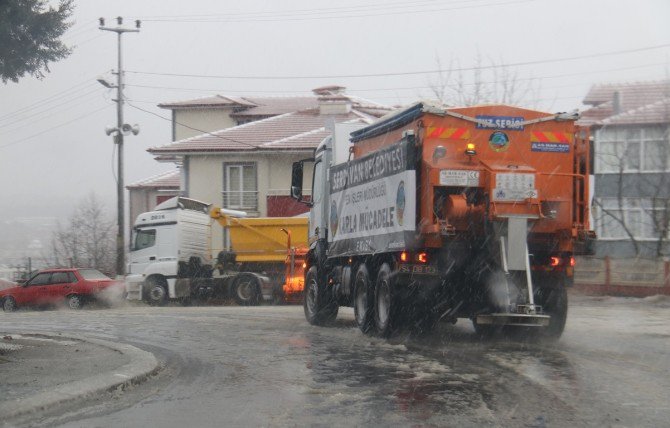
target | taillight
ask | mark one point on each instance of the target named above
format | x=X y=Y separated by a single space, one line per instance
x=572 y=261
x=554 y=261
x=422 y=257
x=404 y=256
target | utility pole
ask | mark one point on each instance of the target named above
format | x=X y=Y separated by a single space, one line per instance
x=119 y=132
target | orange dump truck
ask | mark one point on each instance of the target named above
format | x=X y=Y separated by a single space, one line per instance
x=265 y=259
x=443 y=213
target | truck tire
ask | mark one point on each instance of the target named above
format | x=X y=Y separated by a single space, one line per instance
x=157 y=294
x=554 y=302
x=386 y=314
x=319 y=306
x=363 y=300
x=247 y=290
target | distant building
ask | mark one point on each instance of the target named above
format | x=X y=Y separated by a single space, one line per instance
x=630 y=123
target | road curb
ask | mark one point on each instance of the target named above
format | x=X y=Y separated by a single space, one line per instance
x=142 y=365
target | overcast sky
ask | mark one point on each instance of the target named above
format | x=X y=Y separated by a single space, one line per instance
x=53 y=149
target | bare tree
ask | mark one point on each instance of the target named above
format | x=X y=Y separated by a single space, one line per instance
x=87 y=239
x=487 y=81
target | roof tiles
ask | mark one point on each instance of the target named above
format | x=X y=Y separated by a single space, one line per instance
x=639 y=103
x=291 y=131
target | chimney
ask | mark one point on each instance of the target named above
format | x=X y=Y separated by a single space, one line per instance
x=616 y=102
x=332 y=100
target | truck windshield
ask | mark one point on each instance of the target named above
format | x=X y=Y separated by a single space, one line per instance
x=144 y=238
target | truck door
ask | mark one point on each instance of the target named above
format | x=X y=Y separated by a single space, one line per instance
x=144 y=250
x=317 y=225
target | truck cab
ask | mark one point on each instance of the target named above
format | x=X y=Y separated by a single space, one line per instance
x=168 y=247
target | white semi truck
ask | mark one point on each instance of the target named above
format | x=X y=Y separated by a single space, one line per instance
x=171 y=255
x=170 y=247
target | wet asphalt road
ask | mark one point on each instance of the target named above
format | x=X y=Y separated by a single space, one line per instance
x=265 y=366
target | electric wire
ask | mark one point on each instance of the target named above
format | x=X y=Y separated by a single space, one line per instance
x=353 y=90
x=56 y=127
x=88 y=82
x=410 y=73
x=232 y=140
x=291 y=18
x=49 y=111
x=293 y=12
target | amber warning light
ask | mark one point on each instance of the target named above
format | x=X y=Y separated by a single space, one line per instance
x=470 y=149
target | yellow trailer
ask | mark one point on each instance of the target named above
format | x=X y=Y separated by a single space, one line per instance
x=261 y=247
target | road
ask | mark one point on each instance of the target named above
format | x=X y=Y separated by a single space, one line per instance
x=265 y=366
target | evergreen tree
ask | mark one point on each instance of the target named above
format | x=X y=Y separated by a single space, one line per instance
x=29 y=36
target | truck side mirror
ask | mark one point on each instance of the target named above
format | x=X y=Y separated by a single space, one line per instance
x=296 y=181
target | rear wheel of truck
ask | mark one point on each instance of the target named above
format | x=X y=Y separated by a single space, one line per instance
x=157 y=294
x=247 y=290
x=363 y=300
x=554 y=302
x=386 y=307
x=319 y=306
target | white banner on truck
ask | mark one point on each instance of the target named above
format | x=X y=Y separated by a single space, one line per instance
x=378 y=213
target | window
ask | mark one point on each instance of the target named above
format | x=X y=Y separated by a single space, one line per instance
x=60 y=278
x=240 y=186
x=41 y=279
x=144 y=238
x=644 y=149
x=644 y=218
x=92 y=274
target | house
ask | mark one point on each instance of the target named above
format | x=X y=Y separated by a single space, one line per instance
x=145 y=194
x=248 y=167
x=629 y=124
x=198 y=116
x=195 y=117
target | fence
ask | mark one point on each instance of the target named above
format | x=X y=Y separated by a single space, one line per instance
x=623 y=277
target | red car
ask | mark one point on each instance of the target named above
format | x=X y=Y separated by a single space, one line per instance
x=55 y=286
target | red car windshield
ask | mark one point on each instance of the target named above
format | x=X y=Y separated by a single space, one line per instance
x=92 y=274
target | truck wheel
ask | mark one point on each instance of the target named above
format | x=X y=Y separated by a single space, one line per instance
x=157 y=293
x=9 y=304
x=363 y=301
x=554 y=302
x=246 y=291
x=386 y=311
x=320 y=308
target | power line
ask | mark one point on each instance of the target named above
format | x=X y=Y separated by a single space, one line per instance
x=555 y=76
x=408 y=73
x=54 y=127
x=47 y=110
x=286 y=18
x=192 y=128
x=87 y=82
x=293 y=12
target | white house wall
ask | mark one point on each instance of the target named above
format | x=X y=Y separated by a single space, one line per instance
x=273 y=174
x=208 y=120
